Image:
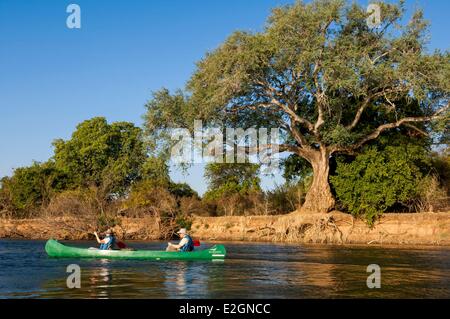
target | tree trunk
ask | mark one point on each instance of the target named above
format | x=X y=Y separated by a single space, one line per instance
x=319 y=198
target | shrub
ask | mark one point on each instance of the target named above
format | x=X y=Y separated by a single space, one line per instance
x=32 y=187
x=193 y=206
x=6 y=205
x=181 y=190
x=288 y=197
x=184 y=221
x=148 y=198
x=376 y=179
x=73 y=203
x=433 y=196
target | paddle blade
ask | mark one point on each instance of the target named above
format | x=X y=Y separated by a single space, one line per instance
x=121 y=245
x=196 y=242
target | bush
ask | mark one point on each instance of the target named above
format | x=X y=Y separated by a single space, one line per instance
x=73 y=203
x=181 y=190
x=148 y=198
x=193 y=206
x=376 y=180
x=433 y=196
x=289 y=196
x=184 y=221
x=441 y=168
x=6 y=205
x=31 y=188
x=230 y=200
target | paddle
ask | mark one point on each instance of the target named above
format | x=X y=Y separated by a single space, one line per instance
x=119 y=243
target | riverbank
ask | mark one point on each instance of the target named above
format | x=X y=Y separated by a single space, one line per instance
x=333 y=228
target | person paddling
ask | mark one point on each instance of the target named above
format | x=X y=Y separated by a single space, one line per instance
x=108 y=242
x=186 y=243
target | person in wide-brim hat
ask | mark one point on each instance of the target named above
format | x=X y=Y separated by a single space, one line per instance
x=186 y=243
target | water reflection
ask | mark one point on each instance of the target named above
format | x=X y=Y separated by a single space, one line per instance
x=100 y=280
x=191 y=279
x=175 y=280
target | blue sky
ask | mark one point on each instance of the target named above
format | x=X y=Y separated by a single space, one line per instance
x=52 y=77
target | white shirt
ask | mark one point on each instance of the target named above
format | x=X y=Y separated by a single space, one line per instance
x=183 y=242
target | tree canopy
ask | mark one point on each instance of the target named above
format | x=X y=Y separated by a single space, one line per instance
x=318 y=71
x=228 y=179
x=99 y=153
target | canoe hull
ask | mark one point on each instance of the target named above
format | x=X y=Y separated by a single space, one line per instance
x=58 y=250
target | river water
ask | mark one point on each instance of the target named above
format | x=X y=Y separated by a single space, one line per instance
x=251 y=270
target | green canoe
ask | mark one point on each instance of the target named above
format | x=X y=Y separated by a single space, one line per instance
x=56 y=249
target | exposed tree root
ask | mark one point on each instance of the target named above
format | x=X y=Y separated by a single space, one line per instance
x=322 y=229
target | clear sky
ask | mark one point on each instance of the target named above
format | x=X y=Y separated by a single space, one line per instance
x=52 y=77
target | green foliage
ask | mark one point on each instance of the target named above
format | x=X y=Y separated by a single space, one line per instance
x=434 y=189
x=156 y=169
x=165 y=112
x=106 y=158
x=102 y=154
x=183 y=221
x=227 y=179
x=379 y=178
x=33 y=186
x=441 y=167
x=338 y=135
x=241 y=78
x=287 y=197
x=319 y=71
x=150 y=194
x=180 y=190
x=310 y=71
x=296 y=168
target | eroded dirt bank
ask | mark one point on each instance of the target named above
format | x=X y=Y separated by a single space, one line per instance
x=333 y=228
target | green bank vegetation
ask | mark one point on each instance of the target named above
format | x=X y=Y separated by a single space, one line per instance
x=364 y=113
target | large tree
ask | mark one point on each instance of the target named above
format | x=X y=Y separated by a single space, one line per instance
x=105 y=155
x=322 y=74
